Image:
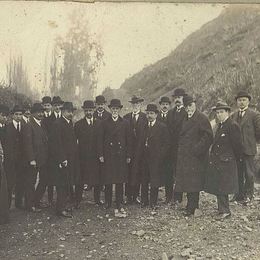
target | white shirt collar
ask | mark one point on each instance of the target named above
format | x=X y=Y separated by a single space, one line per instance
x=224 y=120
x=15 y=123
x=26 y=119
x=37 y=121
x=115 y=119
x=2 y=125
x=152 y=123
x=68 y=121
x=57 y=115
x=243 y=110
x=47 y=114
x=190 y=116
x=89 y=120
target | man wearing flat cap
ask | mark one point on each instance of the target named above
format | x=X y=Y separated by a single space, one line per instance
x=115 y=153
x=175 y=119
x=195 y=138
x=227 y=149
x=249 y=122
x=35 y=151
x=64 y=151
x=137 y=121
x=155 y=147
x=13 y=163
x=86 y=130
x=101 y=113
x=163 y=115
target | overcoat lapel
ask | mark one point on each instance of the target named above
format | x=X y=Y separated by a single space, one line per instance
x=188 y=123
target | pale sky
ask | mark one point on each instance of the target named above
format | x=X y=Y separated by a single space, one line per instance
x=132 y=35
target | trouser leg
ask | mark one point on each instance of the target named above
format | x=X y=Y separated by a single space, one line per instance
x=19 y=186
x=192 y=201
x=154 y=196
x=119 y=195
x=178 y=196
x=241 y=181
x=62 y=194
x=249 y=176
x=50 y=193
x=108 y=194
x=97 y=191
x=144 y=193
x=31 y=177
x=41 y=187
x=169 y=192
x=223 y=204
x=79 y=192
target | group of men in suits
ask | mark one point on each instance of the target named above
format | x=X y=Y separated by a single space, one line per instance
x=138 y=153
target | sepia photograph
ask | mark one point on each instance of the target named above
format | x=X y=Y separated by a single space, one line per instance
x=129 y=130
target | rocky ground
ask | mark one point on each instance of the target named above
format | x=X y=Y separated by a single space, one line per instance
x=95 y=233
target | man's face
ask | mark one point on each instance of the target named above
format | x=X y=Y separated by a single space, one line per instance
x=39 y=115
x=27 y=113
x=165 y=106
x=190 y=109
x=151 y=116
x=136 y=107
x=222 y=114
x=3 y=118
x=178 y=100
x=115 y=111
x=17 y=116
x=57 y=107
x=68 y=114
x=100 y=107
x=47 y=107
x=89 y=112
x=243 y=102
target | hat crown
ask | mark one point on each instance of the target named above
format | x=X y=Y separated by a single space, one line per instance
x=179 y=92
x=115 y=103
x=165 y=99
x=4 y=109
x=57 y=100
x=46 y=99
x=136 y=99
x=221 y=105
x=243 y=93
x=17 y=108
x=152 y=107
x=100 y=99
x=67 y=106
x=88 y=104
x=188 y=100
x=36 y=107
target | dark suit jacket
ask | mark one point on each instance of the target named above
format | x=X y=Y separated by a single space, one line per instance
x=63 y=146
x=47 y=123
x=35 y=143
x=105 y=115
x=155 y=149
x=137 y=132
x=87 y=136
x=250 y=128
x=227 y=149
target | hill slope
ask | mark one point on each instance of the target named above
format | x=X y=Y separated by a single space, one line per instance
x=220 y=58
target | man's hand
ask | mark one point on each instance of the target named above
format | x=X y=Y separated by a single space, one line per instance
x=33 y=163
x=128 y=160
x=102 y=159
x=63 y=164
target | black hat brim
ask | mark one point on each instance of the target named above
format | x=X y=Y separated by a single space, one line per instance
x=221 y=107
x=240 y=96
x=115 y=106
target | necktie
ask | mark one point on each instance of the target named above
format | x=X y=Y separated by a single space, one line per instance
x=18 y=127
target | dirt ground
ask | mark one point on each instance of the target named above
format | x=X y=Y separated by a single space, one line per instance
x=94 y=233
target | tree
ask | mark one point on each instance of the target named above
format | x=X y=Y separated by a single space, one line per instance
x=76 y=60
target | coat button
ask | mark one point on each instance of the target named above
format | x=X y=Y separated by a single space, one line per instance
x=111 y=144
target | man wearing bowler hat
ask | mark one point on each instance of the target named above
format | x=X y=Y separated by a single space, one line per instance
x=35 y=146
x=13 y=152
x=86 y=130
x=155 y=147
x=64 y=153
x=175 y=119
x=101 y=113
x=222 y=178
x=115 y=153
x=137 y=121
x=195 y=138
x=57 y=104
x=249 y=122
x=165 y=104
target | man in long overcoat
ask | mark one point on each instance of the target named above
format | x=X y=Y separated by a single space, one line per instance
x=163 y=115
x=35 y=146
x=115 y=153
x=4 y=112
x=226 y=151
x=137 y=121
x=195 y=138
x=64 y=154
x=86 y=130
x=249 y=122
x=13 y=162
x=155 y=149
x=175 y=118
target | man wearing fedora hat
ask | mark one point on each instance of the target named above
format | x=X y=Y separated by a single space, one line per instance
x=227 y=149
x=101 y=113
x=64 y=153
x=13 y=156
x=163 y=115
x=115 y=153
x=175 y=119
x=195 y=138
x=137 y=121
x=155 y=147
x=86 y=130
x=35 y=151
x=249 y=122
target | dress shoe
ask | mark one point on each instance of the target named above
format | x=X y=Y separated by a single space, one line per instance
x=64 y=214
x=34 y=209
x=223 y=216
